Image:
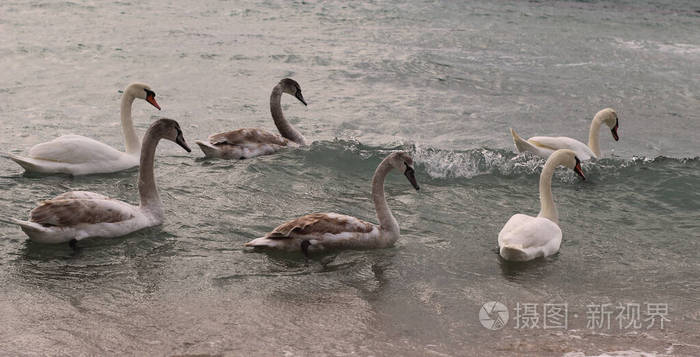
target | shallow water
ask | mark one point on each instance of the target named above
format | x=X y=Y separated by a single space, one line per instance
x=442 y=81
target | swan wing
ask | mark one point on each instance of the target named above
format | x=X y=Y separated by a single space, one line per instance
x=247 y=137
x=66 y=212
x=319 y=224
x=531 y=237
x=583 y=152
x=74 y=149
x=80 y=195
x=523 y=146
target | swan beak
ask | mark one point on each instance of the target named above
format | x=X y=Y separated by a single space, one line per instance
x=410 y=175
x=152 y=99
x=300 y=97
x=614 y=130
x=578 y=170
x=180 y=140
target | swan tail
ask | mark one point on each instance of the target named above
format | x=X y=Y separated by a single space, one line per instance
x=208 y=149
x=514 y=253
x=263 y=242
x=521 y=144
x=26 y=163
x=27 y=227
x=11 y=221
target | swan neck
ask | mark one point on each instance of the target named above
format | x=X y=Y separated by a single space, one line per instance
x=148 y=192
x=131 y=140
x=387 y=222
x=547 y=208
x=594 y=135
x=283 y=126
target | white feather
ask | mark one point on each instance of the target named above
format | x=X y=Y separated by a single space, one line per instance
x=525 y=238
x=75 y=155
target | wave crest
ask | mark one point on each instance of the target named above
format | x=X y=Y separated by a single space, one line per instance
x=452 y=164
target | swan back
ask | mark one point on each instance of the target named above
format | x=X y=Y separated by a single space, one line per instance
x=525 y=238
x=70 y=212
x=320 y=224
x=549 y=144
x=75 y=149
x=324 y=231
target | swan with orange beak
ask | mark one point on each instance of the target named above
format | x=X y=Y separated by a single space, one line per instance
x=80 y=155
x=525 y=237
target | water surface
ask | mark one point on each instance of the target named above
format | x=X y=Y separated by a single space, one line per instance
x=443 y=81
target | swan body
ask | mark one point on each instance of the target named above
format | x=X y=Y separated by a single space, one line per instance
x=324 y=230
x=321 y=231
x=252 y=142
x=74 y=155
x=243 y=144
x=524 y=237
x=80 y=155
x=544 y=146
x=62 y=219
x=79 y=214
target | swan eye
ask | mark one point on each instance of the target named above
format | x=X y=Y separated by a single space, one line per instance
x=150 y=93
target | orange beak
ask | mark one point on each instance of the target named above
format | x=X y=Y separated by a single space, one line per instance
x=578 y=170
x=151 y=99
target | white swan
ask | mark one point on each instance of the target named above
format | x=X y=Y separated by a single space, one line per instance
x=525 y=237
x=546 y=145
x=250 y=142
x=321 y=231
x=79 y=155
x=77 y=215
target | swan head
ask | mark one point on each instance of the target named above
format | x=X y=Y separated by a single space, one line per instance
x=168 y=129
x=609 y=117
x=291 y=87
x=403 y=162
x=142 y=91
x=567 y=158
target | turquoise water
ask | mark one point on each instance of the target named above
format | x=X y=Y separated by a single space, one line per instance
x=443 y=81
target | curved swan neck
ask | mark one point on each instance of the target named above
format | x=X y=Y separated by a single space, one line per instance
x=547 y=208
x=283 y=126
x=131 y=140
x=594 y=135
x=387 y=221
x=150 y=200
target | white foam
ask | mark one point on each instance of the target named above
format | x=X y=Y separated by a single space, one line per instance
x=450 y=164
